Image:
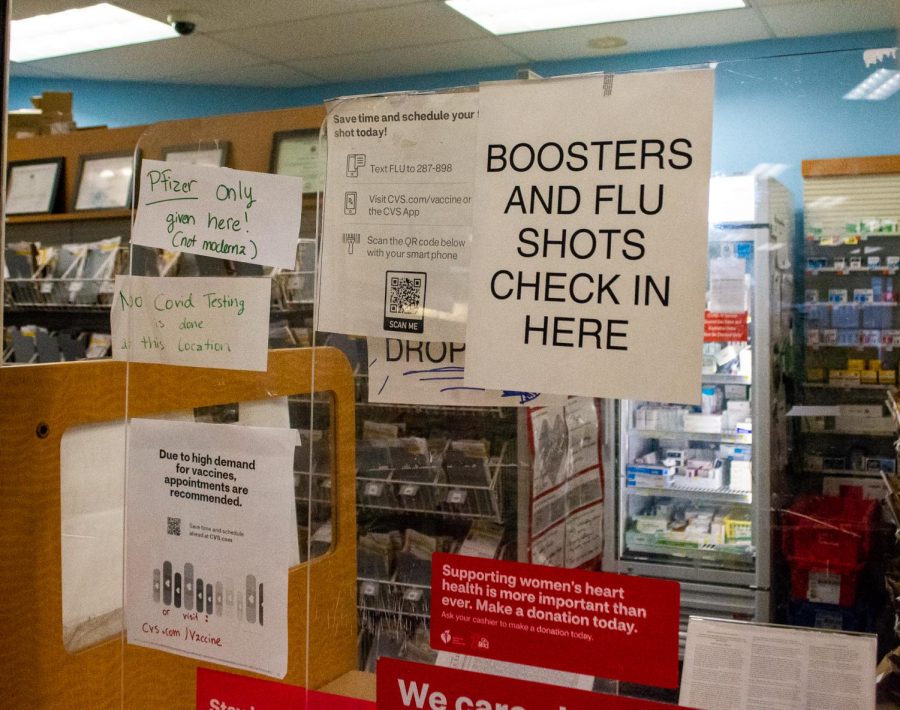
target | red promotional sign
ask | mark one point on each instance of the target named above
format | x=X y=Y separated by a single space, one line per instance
x=606 y=625
x=226 y=691
x=725 y=327
x=402 y=685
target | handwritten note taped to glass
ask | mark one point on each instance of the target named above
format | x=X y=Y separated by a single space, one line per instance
x=431 y=373
x=219 y=212
x=196 y=322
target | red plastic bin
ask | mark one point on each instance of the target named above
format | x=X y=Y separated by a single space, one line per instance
x=828 y=531
x=848 y=579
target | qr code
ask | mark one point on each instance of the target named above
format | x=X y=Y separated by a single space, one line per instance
x=173 y=526
x=405 y=294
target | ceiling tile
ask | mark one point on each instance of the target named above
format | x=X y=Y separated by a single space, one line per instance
x=149 y=61
x=467 y=54
x=768 y=3
x=219 y=14
x=271 y=75
x=643 y=35
x=407 y=25
x=300 y=42
x=831 y=16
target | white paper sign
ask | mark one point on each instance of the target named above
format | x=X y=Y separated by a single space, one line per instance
x=398 y=216
x=505 y=669
x=208 y=541
x=431 y=373
x=590 y=252
x=215 y=322
x=741 y=666
x=219 y=212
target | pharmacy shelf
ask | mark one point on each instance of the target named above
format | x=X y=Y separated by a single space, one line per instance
x=386 y=490
x=848 y=472
x=844 y=432
x=83 y=216
x=861 y=236
x=719 y=554
x=438 y=408
x=692 y=436
x=726 y=379
x=394 y=612
x=387 y=596
x=880 y=270
x=841 y=386
x=726 y=495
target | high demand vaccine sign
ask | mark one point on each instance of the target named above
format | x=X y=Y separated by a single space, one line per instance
x=590 y=247
x=398 y=216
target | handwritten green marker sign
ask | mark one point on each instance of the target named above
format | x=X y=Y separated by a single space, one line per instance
x=199 y=322
x=228 y=214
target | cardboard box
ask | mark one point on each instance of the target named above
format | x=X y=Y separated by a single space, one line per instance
x=53 y=103
x=55 y=111
x=887 y=377
x=856 y=364
x=24 y=123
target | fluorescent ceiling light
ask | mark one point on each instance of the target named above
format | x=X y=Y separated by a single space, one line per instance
x=502 y=17
x=880 y=84
x=81 y=30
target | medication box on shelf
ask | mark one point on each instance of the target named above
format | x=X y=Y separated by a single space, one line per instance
x=815 y=374
x=738 y=525
x=703 y=423
x=843 y=377
x=880 y=463
x=650 y=524
x=851 y=486
x=864 y=425
x=644 y=476
x=862 y=410
x=741 y=475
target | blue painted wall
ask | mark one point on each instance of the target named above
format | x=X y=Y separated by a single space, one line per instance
x=777 y=101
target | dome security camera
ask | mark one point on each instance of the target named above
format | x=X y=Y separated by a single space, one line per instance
x=182 y=23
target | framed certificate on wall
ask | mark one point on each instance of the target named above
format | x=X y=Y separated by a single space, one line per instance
x=104 y=181
x=32 y=186
x=299 y=153
x=212 y=153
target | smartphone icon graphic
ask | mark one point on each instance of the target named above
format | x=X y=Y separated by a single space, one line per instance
x=167 y=583
x=260 y=604
x=188 y=586
x=251 y=598
x=200 y=593
x=177 y=590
